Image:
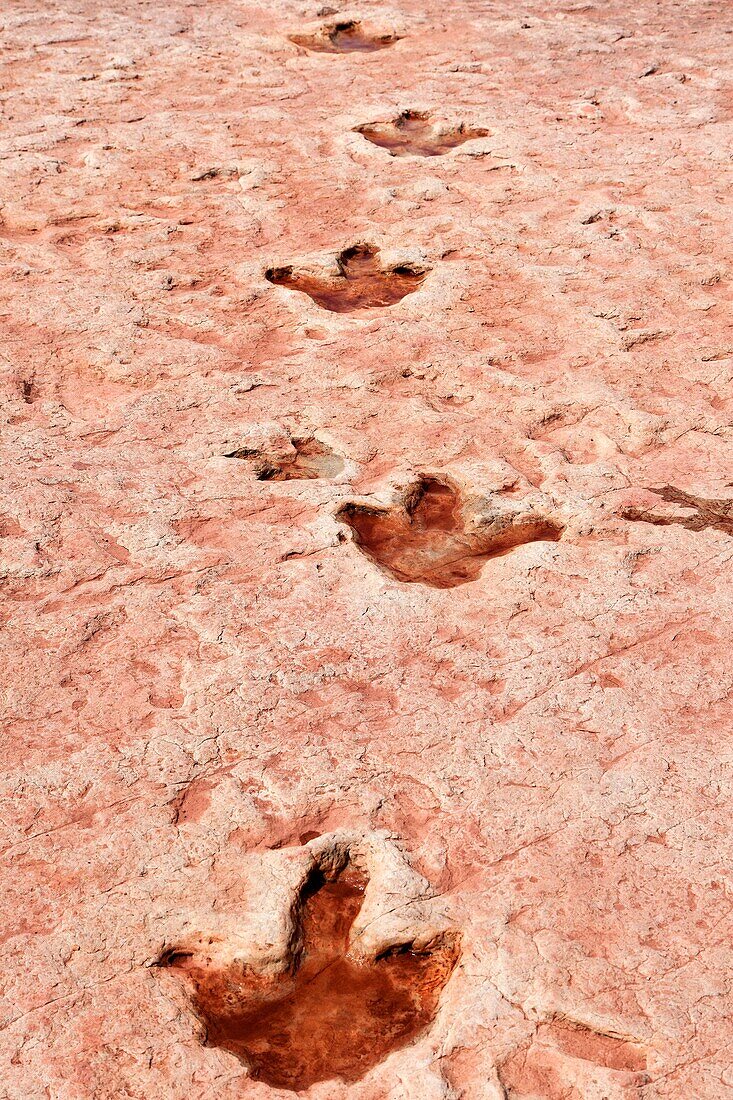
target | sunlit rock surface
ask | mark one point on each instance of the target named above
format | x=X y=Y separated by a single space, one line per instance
x=468 y=591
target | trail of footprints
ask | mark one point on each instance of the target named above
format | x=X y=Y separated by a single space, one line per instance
x=330 y=1010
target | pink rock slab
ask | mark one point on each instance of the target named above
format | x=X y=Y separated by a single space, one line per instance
x=200 y=666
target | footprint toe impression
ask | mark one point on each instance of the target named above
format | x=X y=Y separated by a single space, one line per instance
x=361 y=282
x=330 y=1015
x=426 y=539
x=413 y=134
x=347 y=36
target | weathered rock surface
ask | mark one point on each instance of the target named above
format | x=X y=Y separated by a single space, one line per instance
x=206 y=674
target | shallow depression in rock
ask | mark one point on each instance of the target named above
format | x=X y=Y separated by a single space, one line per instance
x=361 y=283
x=333 y=1016
x=312 y=460
x=426 y=540
x=345 y=37
x=413 y=134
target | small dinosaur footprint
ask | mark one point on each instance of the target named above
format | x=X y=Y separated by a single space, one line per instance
x=359 y=282
x=413 y=133
x=308 y=459
x=693 y=512
x=345 y=36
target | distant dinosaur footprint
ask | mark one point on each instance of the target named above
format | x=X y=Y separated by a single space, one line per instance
x=309 y=460
x=359 y=282
x=414 y=134
x=693 y=512
x=345 y=36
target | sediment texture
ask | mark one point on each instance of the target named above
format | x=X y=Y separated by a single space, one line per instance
x=205 y=670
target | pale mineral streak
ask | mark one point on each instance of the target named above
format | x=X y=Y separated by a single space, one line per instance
x=209 y=681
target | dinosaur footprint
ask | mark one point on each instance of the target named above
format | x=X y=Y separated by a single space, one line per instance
x=350 y=966
x=693 y=512
x=346 y=36
x=566 y=1060
x=426 y=538
x=414 y=134
x=359 y=282
x=308 y=459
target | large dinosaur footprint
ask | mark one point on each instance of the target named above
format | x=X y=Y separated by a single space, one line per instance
x=428 y=538
x=338 y=962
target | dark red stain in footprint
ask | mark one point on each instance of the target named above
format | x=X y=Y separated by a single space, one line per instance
x=29 y=391
x=347 y=36
x=413 y=134
x=361 y=282
x=426 y=540
x=332 y=1017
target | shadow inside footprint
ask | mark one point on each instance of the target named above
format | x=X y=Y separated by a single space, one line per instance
x=331 y=1016
x=312 y=460
x=413 y=134
x=426 y=540
x=361 y=282
x=347 y=36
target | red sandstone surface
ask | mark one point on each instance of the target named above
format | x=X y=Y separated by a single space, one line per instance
x=221 y=684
